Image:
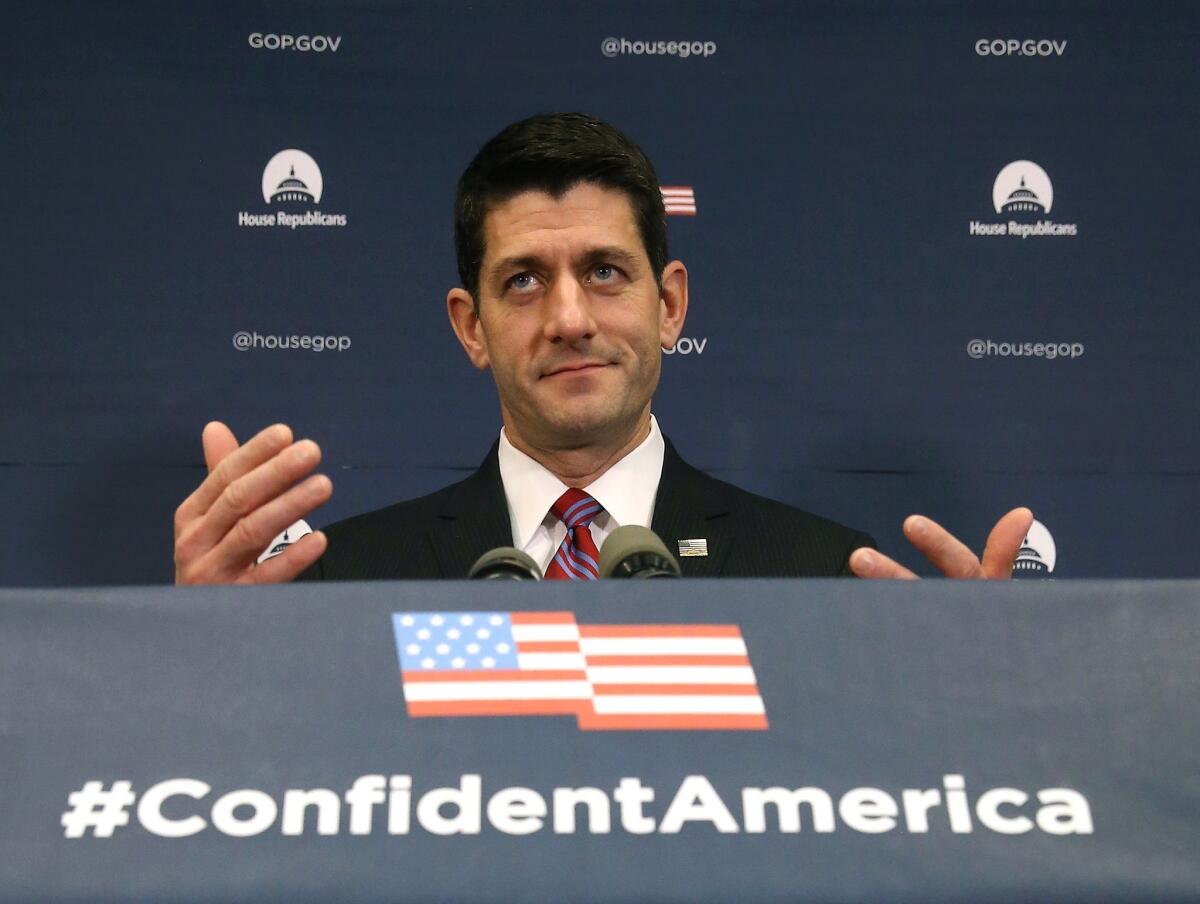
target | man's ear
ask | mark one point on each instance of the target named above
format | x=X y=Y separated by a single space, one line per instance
x=465 y=322
x=674 y=303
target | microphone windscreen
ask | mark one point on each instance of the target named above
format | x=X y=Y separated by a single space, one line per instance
x=505 y=563
x=634 y=551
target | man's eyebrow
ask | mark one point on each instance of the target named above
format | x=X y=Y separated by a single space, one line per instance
x=610 y=253
x=518 y=262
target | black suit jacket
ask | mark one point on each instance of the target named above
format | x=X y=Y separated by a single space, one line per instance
x=442 y=534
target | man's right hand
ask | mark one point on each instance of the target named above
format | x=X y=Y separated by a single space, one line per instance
x=250 y=496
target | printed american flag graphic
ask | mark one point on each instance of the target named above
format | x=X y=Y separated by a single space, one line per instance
x=610 y=677
x=679 y=200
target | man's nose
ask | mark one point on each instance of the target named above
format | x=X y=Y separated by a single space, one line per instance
x=569 y=313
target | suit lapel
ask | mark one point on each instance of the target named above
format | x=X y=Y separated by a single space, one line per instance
x=473 y=520
x=690 y=505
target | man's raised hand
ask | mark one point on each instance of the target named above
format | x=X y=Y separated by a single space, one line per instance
x=250 y=496
x=950 y=555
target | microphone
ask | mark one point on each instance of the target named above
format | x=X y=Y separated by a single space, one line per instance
x=505 y=563
x=633 y=551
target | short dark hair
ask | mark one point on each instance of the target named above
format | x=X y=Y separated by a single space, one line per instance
x=554 y=152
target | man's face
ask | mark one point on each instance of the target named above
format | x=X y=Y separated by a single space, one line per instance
x=570 y=317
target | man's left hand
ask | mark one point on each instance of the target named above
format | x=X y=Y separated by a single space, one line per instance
x=950 y=555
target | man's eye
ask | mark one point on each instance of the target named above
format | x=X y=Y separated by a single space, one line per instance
x=522 y=281
x=604 y=273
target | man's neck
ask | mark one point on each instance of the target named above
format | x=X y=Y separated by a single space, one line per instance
x=583 y=466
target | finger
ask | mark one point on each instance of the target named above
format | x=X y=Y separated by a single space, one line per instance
x=290 y=562
x=1004 y=542
x=250 y=536
x=870 y=563
x=949 y=554
x=218 y=441
x=252 y=491
x=263 y=446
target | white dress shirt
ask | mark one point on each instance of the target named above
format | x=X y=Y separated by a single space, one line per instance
x=626 y=490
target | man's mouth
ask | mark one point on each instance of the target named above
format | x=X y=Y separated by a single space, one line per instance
x=578 y=367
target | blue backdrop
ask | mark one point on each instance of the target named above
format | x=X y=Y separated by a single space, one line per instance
x=850 y=169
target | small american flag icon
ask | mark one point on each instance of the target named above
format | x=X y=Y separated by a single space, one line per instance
x=630 y=677
x=679 y=200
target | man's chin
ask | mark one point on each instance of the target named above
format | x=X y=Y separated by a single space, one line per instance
x=580 y=425
x=576 y=426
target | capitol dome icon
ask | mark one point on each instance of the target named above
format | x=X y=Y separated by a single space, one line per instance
x=1037 y=555
x=292 y=189
x=292 y=177
x=1022 y=187
x=1023 y=200
x=290 y=535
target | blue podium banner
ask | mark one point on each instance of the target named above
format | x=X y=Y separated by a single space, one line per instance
x=748 y=740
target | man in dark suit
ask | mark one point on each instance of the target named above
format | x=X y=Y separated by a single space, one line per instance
x=441 y=535
x=568 y=297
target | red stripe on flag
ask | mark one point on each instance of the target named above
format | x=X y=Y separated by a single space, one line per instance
x=543 y=618
x=422 y=709
x=659 y=631
x=548 y=646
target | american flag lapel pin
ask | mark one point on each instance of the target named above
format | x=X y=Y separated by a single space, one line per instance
x=695 y=547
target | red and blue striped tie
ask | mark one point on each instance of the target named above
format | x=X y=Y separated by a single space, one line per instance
x=577 y=559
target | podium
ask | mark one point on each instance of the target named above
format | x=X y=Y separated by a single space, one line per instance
x=664 y=740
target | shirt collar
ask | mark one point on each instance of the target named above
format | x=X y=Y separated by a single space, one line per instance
x=626 y=490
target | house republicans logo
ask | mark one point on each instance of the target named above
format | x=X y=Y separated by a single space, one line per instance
x=1023 y=195
x=1037 y=555
x=280 y=181
x=292 y=186
x=293 y=533
x=1022 y=188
